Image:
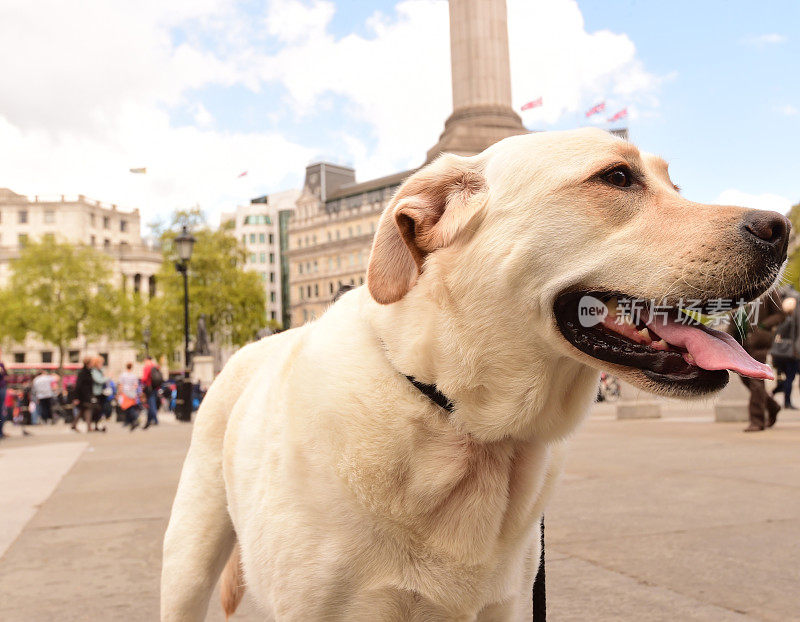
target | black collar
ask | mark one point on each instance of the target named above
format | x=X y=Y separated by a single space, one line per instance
x=436 y=396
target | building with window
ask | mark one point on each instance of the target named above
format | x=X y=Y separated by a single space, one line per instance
x=261 y=227
x=78 y=220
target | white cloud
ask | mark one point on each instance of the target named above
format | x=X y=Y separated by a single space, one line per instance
x=88 y=90
x=771 y=38
x=553 y=56
x=764 y=201
x=787 y=109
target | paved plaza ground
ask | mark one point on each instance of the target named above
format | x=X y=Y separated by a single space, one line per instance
x=672 y=519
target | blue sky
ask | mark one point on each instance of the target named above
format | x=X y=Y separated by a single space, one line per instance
x=200 y=90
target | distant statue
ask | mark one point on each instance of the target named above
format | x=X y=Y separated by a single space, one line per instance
x=201 y=348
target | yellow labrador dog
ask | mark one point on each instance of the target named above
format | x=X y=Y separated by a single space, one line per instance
x=341 y=492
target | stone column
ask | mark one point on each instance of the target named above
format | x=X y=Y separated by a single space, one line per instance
x=481 y=79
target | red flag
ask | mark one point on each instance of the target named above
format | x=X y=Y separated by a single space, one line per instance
x=532 y=104
x=242 y=174
x=595 y=109
x=619 y=115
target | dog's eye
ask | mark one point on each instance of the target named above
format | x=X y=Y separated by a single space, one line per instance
x=620 y=177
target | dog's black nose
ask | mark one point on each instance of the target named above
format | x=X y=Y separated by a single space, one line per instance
x=767 y=229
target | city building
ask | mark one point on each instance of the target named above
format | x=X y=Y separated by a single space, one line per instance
x=261 y=228
x=330 y=235
x=78 y=221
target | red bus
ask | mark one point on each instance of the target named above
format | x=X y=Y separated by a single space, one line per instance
x=20 y=375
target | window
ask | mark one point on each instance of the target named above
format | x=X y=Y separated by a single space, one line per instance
x=49 y=218
x=106 y=222
x=338 y=261
x=22 y=239
x=272 y=257
x=300 y=268
x=301 y=292
x=305 y=315
x=19 y=357
x=361 y=280
x=262 y=238
x=49 y=237
x=337 y=234
x=350 y=232
x=272 y=315
x=74 y=356
x=329 y=236
x=262 y=258
x=272 y=296
x=252 y=257
x=316 y=266
x=252 y=238
x=106 y=243
x=92 y=240
x=308 y=291
x=47 y=356
x=264 y=276
x=358 y=229
x=330 y=287
x=308 y=267
x=271 y=238
x=244 y=238
x=271 y=277
x=330 y=263
x=91 y=219
x=23 y=216
x=104 y=356
x=314 y=239
x=123 y=225
x=372 y=226
x=316 y=290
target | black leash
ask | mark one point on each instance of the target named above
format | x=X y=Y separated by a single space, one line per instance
x=539 y=599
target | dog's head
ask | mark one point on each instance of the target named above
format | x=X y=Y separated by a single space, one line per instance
x=578 y=244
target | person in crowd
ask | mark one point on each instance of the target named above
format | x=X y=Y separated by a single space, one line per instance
x=128 y=396
x=785 y=352
x=3 y=389
x=756 y=334
x=84 y=395
x=152 y=379
x=43 y=392
x=98 y=393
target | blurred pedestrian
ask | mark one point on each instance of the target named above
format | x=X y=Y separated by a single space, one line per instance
x=3 y=389
x=785 y=353
x=128 y=396
x=84 y=395
x=152 y=379
x=43 y=392
x=98 y=393
x=756 y=335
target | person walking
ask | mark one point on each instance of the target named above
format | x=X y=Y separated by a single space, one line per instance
x=98 y=393
x=785 y=352
x=43 y=394
x=3 y=389
x=128 y=397
x=84 y=395
x=152 y=379
x=756 y=338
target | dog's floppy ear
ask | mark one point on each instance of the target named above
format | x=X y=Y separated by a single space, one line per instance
x=427 y=213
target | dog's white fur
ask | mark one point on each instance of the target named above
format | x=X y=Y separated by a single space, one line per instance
x=351 y=495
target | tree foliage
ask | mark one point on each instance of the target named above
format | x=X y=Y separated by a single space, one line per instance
x=59 y=292
x=792 y=274
x=231 y=299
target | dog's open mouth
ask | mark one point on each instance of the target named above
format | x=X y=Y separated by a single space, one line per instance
x=667 y=344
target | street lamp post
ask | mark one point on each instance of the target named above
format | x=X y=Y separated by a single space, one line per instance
x=184 y=244
x=146 y=339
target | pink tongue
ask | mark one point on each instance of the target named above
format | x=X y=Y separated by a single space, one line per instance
x=711 y=349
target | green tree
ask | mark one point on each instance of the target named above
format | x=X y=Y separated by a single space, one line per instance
x=232 y=299
x=792 y=274
x=59 y=292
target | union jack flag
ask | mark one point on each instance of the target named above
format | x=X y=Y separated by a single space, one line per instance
x=532 y=104
x=619 y=115
x=596 y=109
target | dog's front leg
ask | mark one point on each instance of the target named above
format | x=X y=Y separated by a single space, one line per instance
x=200 y=535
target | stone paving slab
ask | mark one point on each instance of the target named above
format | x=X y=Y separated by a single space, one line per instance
x=669 y=519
